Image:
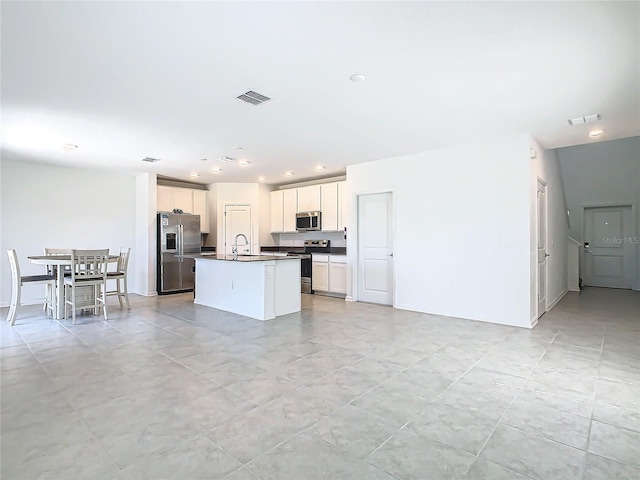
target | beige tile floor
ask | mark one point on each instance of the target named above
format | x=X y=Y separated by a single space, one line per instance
x=339 y=391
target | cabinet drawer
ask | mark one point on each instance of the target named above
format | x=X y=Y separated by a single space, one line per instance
x=319 y=257
x=338 y=258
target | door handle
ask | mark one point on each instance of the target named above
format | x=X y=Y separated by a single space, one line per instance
x=547 y=254
x=391 y=254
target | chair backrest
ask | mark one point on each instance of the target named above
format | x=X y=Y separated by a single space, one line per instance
x=54 y=252
x=15 y=267
x=89 y=264
x=123 y=259
x=57 y=251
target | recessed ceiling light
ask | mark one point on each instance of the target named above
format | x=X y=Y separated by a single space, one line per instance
x=596 y=133
x=288 y=174
x=195 y=175
x=70 y=146
x=357 y=77
x=262 y=179
x=320 y=167
x=226 y=159
x=216 y=169
x=243 y=163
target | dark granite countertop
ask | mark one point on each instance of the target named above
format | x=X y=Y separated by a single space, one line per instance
x=285 y=249
x=241 y=258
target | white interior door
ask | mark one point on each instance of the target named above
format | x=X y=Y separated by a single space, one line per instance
x=609 y=259
x=375 y=248
x=237 y=219
x=542 y=248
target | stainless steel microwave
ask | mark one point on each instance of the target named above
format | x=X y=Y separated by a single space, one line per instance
x=308 y=221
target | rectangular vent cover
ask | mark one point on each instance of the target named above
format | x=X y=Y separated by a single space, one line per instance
x=150 y=160
x=586 y=119
x=254 y=98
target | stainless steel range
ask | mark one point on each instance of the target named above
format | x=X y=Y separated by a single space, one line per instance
x=310 y=246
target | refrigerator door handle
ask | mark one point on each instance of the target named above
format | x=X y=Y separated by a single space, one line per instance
x=181 y=240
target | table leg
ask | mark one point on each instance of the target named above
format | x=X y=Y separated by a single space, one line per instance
x=59 y=293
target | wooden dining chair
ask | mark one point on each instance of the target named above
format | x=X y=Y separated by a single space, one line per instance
x=88 y=269
x=17 y=281
x=51 y=269
x=120 y=274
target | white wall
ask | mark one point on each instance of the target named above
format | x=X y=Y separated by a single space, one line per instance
x=264 y=200
x=145 y=235
x=545 y=167
x=50 y=206
x=238 y=194
x=462 y=229
x=603 y=173
x=212 y=197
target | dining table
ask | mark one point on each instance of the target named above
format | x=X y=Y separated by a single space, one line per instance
x=58 y=262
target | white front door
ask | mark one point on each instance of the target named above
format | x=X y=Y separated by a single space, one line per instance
x=542 y=249
x=375 y=249
x=237 y=219
x=609 y=259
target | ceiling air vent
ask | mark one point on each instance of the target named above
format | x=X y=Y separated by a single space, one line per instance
x=150 y=160
x=585 y=119
x=254 y=98
x=226 y=159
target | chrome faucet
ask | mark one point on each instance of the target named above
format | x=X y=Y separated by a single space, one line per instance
x=234 y=250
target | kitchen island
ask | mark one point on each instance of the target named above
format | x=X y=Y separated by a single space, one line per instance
x=256 y=286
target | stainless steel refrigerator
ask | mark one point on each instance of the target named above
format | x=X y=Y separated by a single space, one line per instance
x=178 y=235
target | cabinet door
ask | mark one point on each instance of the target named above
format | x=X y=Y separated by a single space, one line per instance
x=201 y=207
x=304 y=199
x=342 y=202
x=329 y=207
x=338 y=277
x=183 y=199
x=164 y=199
x=290 y=200
x=277 y=211
x=320 y=276
x=314 y=198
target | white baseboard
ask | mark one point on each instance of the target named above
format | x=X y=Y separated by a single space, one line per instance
x=349 y=298
x=147 y=294
x=554 y=303
x=575 y=290
x=534 y=322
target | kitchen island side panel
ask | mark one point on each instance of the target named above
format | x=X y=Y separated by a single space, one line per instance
x=287 y=297
x=255 y=289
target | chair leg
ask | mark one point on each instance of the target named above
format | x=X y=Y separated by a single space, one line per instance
x=119 y=291
x=15 y=303
x=126 y=292
x=73 y=303
x=104 y=300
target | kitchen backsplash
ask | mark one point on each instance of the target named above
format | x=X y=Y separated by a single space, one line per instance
x=297 y=239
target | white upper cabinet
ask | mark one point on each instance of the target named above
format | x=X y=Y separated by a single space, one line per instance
x=186 y=199
x=277 y=211
x=289 y=210
x=309 y=198
x=183 y=199
x=329 y=207
x=201 y=207
x=164 y=199
x=170 y=198
x=342 y=205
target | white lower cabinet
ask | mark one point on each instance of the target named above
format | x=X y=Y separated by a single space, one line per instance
x=329 y=273
x=338 y=274
x=320 y=275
